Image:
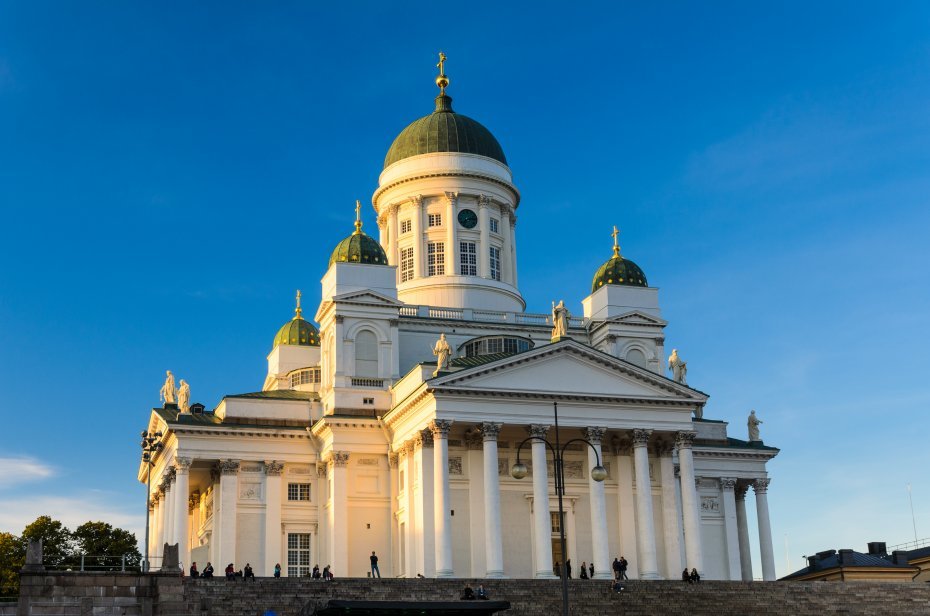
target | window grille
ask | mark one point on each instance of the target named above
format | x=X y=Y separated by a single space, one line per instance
x=406 y=264
x=468 y=259
x=435 y=259
x=495 y=263
x=298 y=491
x=495 y=225
x=405 y=226
x=435 y=220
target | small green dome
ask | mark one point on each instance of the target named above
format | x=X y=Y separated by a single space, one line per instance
x=298 y=332
x=619 y=271
x=359 y=248
x=444 y=131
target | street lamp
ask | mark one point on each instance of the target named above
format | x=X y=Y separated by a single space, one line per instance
x=598 y=473
x=151 y=444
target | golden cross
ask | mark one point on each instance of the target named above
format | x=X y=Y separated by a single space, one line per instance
x=616 y=234
x=442 y=60
x=298 y=311
x=358 y=216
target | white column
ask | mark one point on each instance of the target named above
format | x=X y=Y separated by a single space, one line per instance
x=494 y=551
x=442 y=496
x=452 y=250
x=506 y=255
x=339 y=512
x=484 y=244
x=542 y=525
x=728 y=485
x=273 y=503
x=410 y=504
x=648 y=563
x=694 y=557
x=168 y=529
x=745 y=557
x=513 y=250
x=158 y=525
x=393 y=250
x=229 y=500
x=761 y=488
x=599 y=536
x=625 y=505
x=181 y=521
x=671 y=523
x=426 y=504
x=393 y=466
x=417 y=230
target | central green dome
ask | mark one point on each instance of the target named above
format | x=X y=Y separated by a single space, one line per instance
x=444 y=131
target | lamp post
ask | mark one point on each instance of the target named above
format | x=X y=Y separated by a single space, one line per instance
x=598 y=473
x=151 y=444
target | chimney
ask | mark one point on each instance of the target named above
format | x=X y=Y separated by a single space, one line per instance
x=899 y=557
x=877 y=548
x=846 y=557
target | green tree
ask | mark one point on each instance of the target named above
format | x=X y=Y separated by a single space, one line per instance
x=57 y=545
x=104 y=546
x=12 y=559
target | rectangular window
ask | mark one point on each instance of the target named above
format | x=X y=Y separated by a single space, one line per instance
x=405 y=226
x=495 y=225
x=435 y=259
x=368 y=400
x=495 y=345
x=468 y=259
x=554 y=521
x=435 y=220
x=406 y=264
x=298 y=491
x=298 y=554
x=495 y=263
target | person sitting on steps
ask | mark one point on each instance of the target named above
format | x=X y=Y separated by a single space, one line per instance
x=482 y=593
x=694 y=577
x=249 y=574
x=468 y=594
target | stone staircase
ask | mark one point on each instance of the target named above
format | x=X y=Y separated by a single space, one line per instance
x=298 y=596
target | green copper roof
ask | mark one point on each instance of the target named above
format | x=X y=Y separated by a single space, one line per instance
x=359 y=248
x=444 y=131
x=298 y=332
x=619 y=271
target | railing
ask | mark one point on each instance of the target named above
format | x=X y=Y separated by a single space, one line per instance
x=98 y=562
x=367 y=382
x=910 y=545
x=485 y=316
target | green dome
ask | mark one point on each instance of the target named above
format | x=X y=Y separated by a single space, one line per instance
x=298 y=332
x=619 y=271
x=359 y=248
x=444 y=131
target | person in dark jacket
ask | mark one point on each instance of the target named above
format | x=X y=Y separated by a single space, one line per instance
x=584 y=571
x=694 y=577
x=249 y=574
x=208 y=570
x=194 y=572
x=591 y=569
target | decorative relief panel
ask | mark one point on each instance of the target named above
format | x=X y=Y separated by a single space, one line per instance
x=368 y=462
x=250 y=491
x=574 y=469
x=503 y=467
x=455 y=466
x=251 y=468
x=454 y=442
x=710 y=504
x=298 y=470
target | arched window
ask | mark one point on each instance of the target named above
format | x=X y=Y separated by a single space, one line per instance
x=635 y=356
x=366 y=354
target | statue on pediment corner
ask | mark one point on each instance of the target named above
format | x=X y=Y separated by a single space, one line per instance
x=678 y=367
x=753 y=425
x=443 y=353
x=166 y=394
x=184 y=397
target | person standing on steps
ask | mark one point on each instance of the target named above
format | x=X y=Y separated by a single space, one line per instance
x=591 y=569
x=616 y=567
x=375 y=572
x=568 y=568
x=584 y=571
x=623 y=566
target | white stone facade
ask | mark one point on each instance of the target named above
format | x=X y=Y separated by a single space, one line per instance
x=354 y=446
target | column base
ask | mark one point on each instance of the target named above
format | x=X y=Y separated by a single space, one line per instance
x=651 y=575
x=545 y=575
x=603 y=576
x=445 y=573
x=495 y=575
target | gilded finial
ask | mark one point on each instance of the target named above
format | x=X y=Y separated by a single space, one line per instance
x=358 y=217
x=297 y=311
x=616 y=234
x=442 y=80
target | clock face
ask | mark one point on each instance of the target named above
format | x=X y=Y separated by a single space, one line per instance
x=468 y=219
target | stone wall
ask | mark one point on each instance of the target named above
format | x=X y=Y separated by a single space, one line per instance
x=167 y=595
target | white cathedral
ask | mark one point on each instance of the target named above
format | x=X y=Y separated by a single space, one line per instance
x=362 y=439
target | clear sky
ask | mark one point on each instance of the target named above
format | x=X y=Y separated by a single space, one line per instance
x=171 y=172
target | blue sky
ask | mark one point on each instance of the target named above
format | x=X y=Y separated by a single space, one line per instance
x=169 y=174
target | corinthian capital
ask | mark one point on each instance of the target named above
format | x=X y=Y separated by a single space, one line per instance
x=728 y=484
x=274 y=467
x=641 y=437
x=340 y=458
x=761 y=486
x=537 y=430
x=490 y=430
x=440 y=427
x=424 y=438
x=229 y=467
x=182 y=464
x=684 y=440
x=594 y=435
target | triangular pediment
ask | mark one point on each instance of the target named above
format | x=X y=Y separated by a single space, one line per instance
x=366 y=297
x=636 y=317
x=568 y=368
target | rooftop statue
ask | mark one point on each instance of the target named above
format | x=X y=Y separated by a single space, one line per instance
x=678 y=367
x=560 y=317
x=443 y=353
x=167 y=392
x=753 y=424
x=184 y=397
